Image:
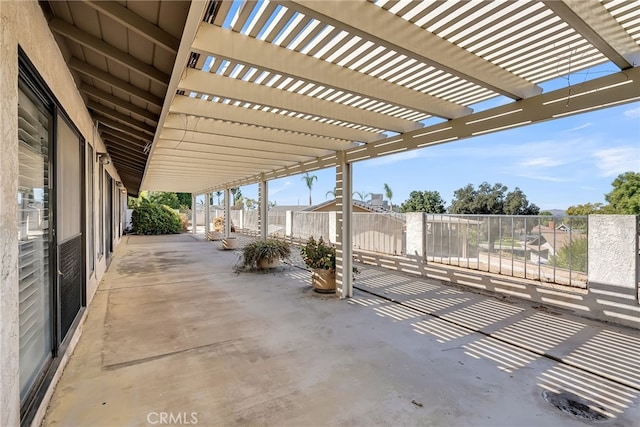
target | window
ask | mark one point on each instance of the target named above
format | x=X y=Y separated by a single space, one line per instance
x=91 y=258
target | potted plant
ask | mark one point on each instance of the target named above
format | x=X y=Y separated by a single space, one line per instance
x=320 y=257
x=264 y=254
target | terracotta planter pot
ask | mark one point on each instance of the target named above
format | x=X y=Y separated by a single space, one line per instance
x=265 y=264
x=323 y=281
x=230 y=243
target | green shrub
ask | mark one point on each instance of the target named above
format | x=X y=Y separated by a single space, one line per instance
x=263 y=249
x=149 y=218
x=574 y=255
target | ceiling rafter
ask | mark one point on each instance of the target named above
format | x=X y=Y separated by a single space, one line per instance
x=225 y=87
x=103 y=48
x=104 y=77
x=103 y=96
x=123 y=135
x=212 y=40
x=110 y=112
x=114 y=124
x=366 y=20
x=136 y=24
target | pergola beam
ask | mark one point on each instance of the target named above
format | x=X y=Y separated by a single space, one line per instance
x=190 y=147
x=592 y=20
x=214 y=110
x=372 y=23
x=215 y=41
x=236 y=89
x=204 y=130
x=615 y=89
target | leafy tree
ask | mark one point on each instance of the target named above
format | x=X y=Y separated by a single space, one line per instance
x=585 y=209
x=164 y=198
x=545 y=221
x=218 y=194
x=573 y=255
x=516 y=203
x=237 y=196
x=625 y=196
x=491 y=200
x=486 y=199
x=423 y=201
x=151 y=218
x=308 y=180
x=184 y=199
x=388 y=194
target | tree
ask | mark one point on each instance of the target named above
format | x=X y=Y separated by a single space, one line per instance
x=516 y=203
x=184 y=199
x=332 y=192
x=585 y=209
x=423 y=201
x=388 y=194
x=361 y=194
x=218 y=195
x=486 y=199
x=164 y=198
x=308 y=179
x=573 y=256
x=625 y=196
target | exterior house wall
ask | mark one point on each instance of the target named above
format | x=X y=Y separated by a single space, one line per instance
x=22 y=23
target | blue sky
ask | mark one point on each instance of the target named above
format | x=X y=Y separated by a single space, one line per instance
x=557 y=164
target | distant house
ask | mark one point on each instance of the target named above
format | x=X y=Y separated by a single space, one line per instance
x=546 y=241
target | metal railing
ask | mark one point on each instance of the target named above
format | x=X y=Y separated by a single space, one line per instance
x=531 y=247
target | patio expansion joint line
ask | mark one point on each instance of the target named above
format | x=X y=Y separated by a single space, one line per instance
x=134 y=362
x=505 y=341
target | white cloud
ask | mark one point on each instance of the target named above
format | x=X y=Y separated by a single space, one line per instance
x=586 y=125
x=274 y=191
x=633 y=113
x=617 y=160
x=543 y=162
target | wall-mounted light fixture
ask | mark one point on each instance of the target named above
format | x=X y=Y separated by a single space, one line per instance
x=103 y=158
x=119 y=184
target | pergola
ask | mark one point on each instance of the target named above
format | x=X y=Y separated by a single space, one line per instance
x=212 y=95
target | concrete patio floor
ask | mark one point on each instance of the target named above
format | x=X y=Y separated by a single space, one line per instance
x=174 y=335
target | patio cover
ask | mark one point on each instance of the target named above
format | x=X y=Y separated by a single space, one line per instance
x=201 y=96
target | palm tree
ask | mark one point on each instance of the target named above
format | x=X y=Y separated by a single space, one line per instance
x=362 y=195
x=308 y=179
x=389 y=194
x=218 y=195
x=332 y=192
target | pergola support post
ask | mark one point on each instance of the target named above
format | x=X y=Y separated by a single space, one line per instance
x=263 y=213
x=227 y=212
x=207 y=214
x=194 y=225
x=344 y=204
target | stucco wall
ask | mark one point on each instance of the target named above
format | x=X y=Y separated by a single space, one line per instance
x=23 y=23
x=9 y=380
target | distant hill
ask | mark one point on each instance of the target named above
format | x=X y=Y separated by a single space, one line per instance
x=556 y=212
